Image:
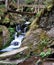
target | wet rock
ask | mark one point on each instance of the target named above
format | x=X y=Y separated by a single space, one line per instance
x=50 y=33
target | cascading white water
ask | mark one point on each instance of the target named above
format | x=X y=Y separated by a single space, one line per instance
x=16 y=43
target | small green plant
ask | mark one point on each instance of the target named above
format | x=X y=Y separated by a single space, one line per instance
x=45 y=54
x=43 y=44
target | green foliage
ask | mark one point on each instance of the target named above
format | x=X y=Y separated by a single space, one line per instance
x=29 y=9
x=45 y=54
x=6 y=20
x=11 y=30
x=43 y=44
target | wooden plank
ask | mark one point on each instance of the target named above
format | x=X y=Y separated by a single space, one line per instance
x=8 y=54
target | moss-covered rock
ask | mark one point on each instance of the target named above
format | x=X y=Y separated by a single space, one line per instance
x=4 y=36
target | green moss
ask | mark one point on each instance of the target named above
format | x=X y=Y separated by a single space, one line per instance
x=44 y=41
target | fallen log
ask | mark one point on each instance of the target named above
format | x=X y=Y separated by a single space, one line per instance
x=11 y=62
x=11 y=53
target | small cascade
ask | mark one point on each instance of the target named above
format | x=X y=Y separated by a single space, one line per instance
x=18 y=28
x=15 y=36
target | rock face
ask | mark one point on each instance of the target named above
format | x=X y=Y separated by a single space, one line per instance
x=4 y=36
x=33 y=38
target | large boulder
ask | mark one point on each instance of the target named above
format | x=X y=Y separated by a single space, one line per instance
x=32 y=40
x=33 y=37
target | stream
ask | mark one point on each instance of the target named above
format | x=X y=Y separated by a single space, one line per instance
x=16 y=43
